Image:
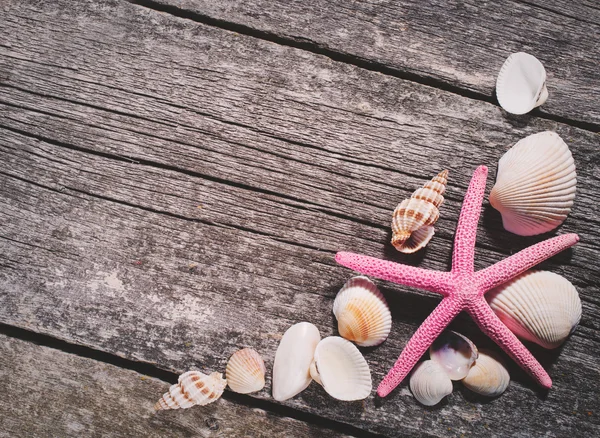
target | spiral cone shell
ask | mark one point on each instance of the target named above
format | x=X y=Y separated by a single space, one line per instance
x=413 y=218
x=245 y=371
x=362 y=312
x=193 y=388
x=488 y=376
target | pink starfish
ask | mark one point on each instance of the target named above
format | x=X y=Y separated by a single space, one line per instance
x=462 y=288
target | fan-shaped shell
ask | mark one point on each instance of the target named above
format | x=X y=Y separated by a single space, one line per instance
x=521 y=83
x=245 y=372
x=538 y=306
x=341 y=369
x=292 y=360
x=488 y=376
x=413 y=218
x=455 y=353
x=193 y=388
x=362 y=312
x=429 y=383
x=536 y=184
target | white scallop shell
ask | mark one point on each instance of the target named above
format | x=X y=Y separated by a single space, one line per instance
x=455 y=353
x=341 y=369
x=362 y=312
x=488 y=376
x=538 y=306
x=245 y=372
x=193 y=388
x=536 y=184
x=429 y=383
x=294 y=355
x=521 y=83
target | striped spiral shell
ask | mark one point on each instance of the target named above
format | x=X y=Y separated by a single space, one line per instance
x=193 y=388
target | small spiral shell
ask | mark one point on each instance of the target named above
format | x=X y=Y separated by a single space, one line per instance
x=193 y=388
x=413 y=218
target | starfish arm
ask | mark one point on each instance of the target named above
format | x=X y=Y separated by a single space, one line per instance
x=431 y=328
x=433 y=281
x=466 y=230
x=491 y=325
x=512 y=266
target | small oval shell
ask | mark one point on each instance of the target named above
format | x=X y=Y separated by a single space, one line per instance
x=193 y=388
x=413 y=218
x=538 y=306
x=429 y=383
x=245 y=371
x=488 y=376
x=292 y=360
x=521 y=83
x=536 y=184
x=362 y=312
x=341 y=369
x=455 y=353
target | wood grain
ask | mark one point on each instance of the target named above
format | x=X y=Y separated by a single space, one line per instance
x=172 y=192
x=49 y=393
x=457 y=43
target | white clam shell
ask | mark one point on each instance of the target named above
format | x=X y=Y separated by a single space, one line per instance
x=245 y=371
x=429 y=383
x=294 y=355
x=341 y=369
x=193 y=388
x=455 y=353
x=538 y=306
x=521 y=83
x=362 y=312
x=488 y=376
x=536 y=184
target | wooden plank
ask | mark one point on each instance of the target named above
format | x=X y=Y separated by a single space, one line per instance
x=461 y=44
x=50 y=393
x=116 y=230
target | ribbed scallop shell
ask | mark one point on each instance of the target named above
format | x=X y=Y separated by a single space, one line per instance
x=488 y=376
x=193 y=388
x=413 y=218
x=455 y=353
x=535 y=186
x=429 y=383
x=362 y=312
x=538 y=306
x=341 y=369
x=245 y=372
x=521 y=83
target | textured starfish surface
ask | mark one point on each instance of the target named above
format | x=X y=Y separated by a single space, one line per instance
x=462 y=288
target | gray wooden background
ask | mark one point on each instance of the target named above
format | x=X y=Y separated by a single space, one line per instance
x=176 y=177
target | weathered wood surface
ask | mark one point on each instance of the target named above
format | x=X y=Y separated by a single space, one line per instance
x=290 y=157
x=49 y=393
x=459 y=43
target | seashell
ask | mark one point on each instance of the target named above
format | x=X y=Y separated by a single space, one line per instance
x=538 y=306
x=455 y=353
x=413 y=218
x=488 y=376
x=245 y=372
x=521 y=83
x=294 y=355
x=429 y=383
x=362 y=312
x=341 y=369
x=535 y=186
x=193 y=388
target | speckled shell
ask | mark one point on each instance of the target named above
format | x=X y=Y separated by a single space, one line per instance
x=521 y=83
x=362 y=312
x=245 y=372
x=455 y=353
x=488 y=376
x=341 y=369
x=538 y=306
x=193 y=388
x=413 y=218
x=536 y=184
x=429 y=383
